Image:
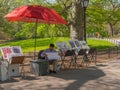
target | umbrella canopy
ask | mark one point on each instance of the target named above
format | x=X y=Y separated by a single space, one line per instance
x=37 y=14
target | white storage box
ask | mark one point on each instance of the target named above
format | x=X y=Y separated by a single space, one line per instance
x=13 y=70
x=3 y=72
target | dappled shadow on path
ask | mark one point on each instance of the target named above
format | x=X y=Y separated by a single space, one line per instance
x=64 y=80
x=80 y=76
x=18 y=79
x=1 y=88
x=9 y=81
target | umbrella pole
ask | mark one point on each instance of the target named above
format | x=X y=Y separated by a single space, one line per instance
x=35 y=37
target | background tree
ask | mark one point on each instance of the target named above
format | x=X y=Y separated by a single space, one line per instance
x=103 y=16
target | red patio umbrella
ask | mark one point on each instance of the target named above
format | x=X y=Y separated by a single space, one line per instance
x=37 y=14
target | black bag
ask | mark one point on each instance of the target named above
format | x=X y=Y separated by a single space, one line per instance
x=39 y=55
x=70 y=53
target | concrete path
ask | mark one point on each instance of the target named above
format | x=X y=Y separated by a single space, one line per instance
x=105 y=76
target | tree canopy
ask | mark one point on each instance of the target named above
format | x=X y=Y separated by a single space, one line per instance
x=102 y=16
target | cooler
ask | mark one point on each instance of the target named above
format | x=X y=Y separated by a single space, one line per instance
x=39 y=67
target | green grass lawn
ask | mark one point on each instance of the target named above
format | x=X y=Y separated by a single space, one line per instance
x=43 y=43
x=99 y=44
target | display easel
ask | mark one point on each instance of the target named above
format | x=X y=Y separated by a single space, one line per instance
x=13 y=56
x=19 y=60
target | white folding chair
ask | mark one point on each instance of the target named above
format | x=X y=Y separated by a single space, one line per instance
x=80 y=51
x=90 y=51
x=76 y=47
x=65 y=52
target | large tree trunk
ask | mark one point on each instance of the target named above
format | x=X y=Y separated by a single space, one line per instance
x=76 y=21
x=111 y=29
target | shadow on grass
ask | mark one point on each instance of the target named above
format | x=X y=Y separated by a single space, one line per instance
x=78 y=77
x=101 y=47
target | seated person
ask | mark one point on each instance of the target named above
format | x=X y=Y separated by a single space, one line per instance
x=53 y=62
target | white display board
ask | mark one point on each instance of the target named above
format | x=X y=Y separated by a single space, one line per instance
x=75 y=45
x=53 y=56
x=8 y=52
x=5 y=51
x=62 y=45
x=72 y=44
x=16 y=50
x=84 y=45
x=3 y=72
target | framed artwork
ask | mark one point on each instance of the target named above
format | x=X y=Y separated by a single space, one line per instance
x=76 y=43
x=5 y=51
x=17 y=50
x=61 y=45
x=71 y=42
x=84 y=45
x=53 y=56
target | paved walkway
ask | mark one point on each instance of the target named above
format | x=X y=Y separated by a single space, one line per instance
x=105 y=76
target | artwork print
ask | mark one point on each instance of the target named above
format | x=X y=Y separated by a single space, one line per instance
x=5 y=51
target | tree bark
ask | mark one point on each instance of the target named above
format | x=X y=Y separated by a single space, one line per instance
x=111 y=29
x=76 y=21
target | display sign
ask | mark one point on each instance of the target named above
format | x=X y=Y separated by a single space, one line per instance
x=17 y=50
x=72 y=44
x=61 y=45
x=8 y=52
x=5 y=51
x=53 y=56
